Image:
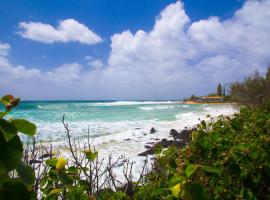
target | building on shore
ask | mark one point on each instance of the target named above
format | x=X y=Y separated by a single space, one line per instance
x=211 y=99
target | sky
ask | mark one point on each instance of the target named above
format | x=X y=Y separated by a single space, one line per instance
x=129 y=50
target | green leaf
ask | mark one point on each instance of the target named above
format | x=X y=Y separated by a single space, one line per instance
x=254 y=154
x=25 y=126
x=54 y=192
x=72 y=170
x=3 y=174
x=196 y=191
x=209 y=169
x=203 y=123
x=8 y=130
x=6 y=99
x=90 y=155
x=2 y=114
x=51 y=162
x=190 y=169
x=26 y=173
x=15 y=189
x=11 y=152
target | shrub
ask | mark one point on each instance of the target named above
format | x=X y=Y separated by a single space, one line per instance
x=16 y=178
x=228 y=159
x=254 y=91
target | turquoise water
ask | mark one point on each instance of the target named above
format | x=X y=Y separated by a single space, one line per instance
x=109 y=120
x=75 y=111
x=115 y=127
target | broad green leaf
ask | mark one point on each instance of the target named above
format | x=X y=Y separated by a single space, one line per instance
x=6 y=99
x=3 y=173
x=25 y=126
x=15 y=189
x=72 y=170
x=54 y=192
x=90 y=155
x=7 y=129
x=254 y=154
x=176 y=178
x=196 y=191
x=203 y=123
x=11 y=152
x=190 y=169
x=204 y=142
x=209 y=169
x=26 y=173
x=2 y=114
x=51 y=162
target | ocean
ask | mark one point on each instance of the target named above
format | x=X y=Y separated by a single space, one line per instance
x=120 y=128
x=117 y=127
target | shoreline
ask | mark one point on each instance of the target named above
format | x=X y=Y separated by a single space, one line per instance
x=134 y=147
x=202 y=103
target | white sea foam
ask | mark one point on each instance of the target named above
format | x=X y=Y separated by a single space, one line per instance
x=157 y=107
x=127 y=103
x=129 y=137
x=185 y=106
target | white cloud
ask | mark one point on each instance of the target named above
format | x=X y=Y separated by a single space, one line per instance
x=174 y=59
x=66 y=73
x=96 y=64
x=4 y=49
x=68 y=30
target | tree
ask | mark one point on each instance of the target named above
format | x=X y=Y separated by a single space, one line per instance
x=267 y=81
x=219 y=90
x=224 y=90
x=253 y=91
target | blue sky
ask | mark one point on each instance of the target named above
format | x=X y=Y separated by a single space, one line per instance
x=105 y=17
x=100 y=57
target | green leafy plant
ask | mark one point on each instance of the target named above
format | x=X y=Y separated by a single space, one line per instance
x=16 y=178
x=63 y=182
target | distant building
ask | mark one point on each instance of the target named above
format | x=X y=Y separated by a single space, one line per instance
x=211 y=99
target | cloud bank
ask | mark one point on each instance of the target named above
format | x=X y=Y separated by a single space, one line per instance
x=175 y=59
x=68 y=30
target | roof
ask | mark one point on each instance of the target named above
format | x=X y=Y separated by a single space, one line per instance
x=212 y=97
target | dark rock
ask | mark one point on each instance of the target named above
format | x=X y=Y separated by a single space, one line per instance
x=150 y=143
x=173 y=132
x=147 y=146
x=179 y=140
x=183 y=136
x=163 y=143
x=127 y=139
x=147 y=152
x=153 y=130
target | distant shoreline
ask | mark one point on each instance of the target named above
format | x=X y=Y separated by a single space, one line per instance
x=218 y=103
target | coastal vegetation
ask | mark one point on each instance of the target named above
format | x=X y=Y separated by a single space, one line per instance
x=217 y=97
x=225 y=158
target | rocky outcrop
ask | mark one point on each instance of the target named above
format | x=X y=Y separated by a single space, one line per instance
x=179 y=140
x=153 y=130
x=163 y=143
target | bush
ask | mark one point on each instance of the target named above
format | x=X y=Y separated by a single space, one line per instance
x=16 y=178
x=254 y=91
x=228 y=159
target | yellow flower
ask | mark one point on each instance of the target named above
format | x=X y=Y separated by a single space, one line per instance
x=176 y=190
x=61 y=163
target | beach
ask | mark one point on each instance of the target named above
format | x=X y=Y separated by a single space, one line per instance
x=120 y=128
